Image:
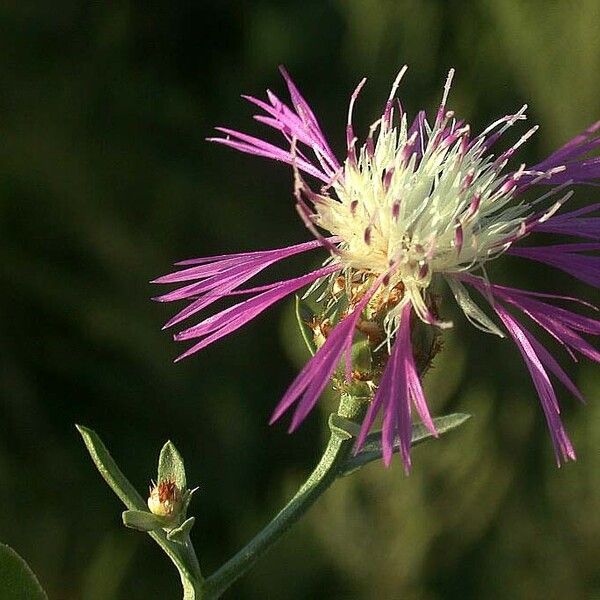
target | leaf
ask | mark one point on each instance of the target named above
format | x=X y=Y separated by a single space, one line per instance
x=473 y=313
x=372 y=447
x=179 y=534
x=110 y=471
x=142 y=520
x=17 y=580
x=304 y=315
x=343 y=427
x=170 y=466
x=186 y=499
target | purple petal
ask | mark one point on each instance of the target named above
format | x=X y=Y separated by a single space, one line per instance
x=222 y=277
x=391 y=411
x=302 y=107
x=574 y=148
x=211 y=265
x=257 y=147
x=569 y=162
x=566 y=258
x=551 y=364
x=311 y=381
x=292 y=126
x=562 y=445
x=565 y=335
x=255 y=253
x=306 y=389
x=558 y=322
x=234 y=317
x=571 y=223
x=299 y=124
x=229 y=278
x=527 y=301
x=399 y=384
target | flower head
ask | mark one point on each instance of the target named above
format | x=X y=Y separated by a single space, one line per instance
x=418 y=204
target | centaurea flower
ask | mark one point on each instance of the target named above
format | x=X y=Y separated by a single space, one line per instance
x=418 y=204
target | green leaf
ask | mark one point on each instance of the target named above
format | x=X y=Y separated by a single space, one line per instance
x=142 y=520
x=420 y=433
x=343 y=427
x=110 y=471
x=304 y=316
x=179 y=534
x=371 y=449
x=171 y=467
x=473 y=313
x=17 y=580
x=186 y=499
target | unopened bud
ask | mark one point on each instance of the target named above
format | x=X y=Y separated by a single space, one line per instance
x=165 y=499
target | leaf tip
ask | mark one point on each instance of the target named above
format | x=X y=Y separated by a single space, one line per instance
x=461 y=418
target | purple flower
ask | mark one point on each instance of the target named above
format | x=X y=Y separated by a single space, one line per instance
x=415 y=204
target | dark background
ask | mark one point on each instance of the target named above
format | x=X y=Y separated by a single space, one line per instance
x=106 y=179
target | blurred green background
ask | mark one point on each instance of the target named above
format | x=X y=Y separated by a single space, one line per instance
x=106 y=180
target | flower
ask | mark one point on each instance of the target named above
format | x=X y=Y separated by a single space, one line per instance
x=415 y=206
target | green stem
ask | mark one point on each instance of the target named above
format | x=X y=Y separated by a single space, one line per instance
x=191 y=557
x=327 y=470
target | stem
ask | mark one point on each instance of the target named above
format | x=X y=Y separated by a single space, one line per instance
x=192 y=559
x=337 y=451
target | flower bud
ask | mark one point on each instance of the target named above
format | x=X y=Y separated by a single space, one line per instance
x=165 y=499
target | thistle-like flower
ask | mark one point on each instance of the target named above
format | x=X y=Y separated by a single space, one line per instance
x=417 y=206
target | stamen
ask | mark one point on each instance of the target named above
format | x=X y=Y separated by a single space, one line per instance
x=447 y=86
x=350 y=137
x=351 y=106
x=506 y=155
x=387 y=114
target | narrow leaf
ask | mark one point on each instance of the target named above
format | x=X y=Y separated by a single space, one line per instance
x=343 y=427
x=170 y=466
x=110 y=471
x=473 y=313
x=304 y=316
x=372 y=449
x=142 y=520
x=179 y=534
x=17 y=580
x=186 y=499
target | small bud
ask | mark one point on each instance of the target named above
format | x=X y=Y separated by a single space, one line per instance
x=165 y=499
